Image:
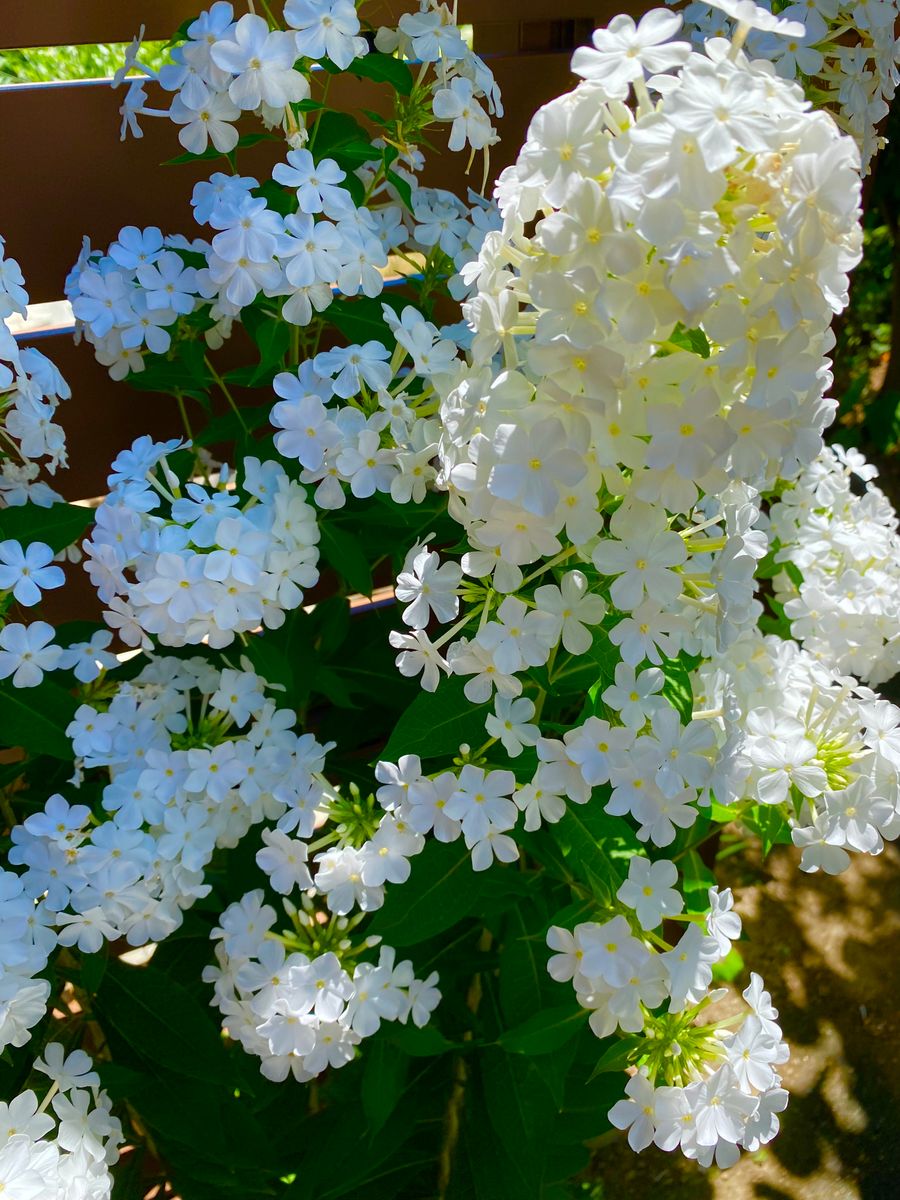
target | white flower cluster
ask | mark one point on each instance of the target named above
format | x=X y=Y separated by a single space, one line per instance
x=843 y=51
x=225 y=67
x=195 y=756
x=26 y=940
x=705 y=1089
x=30 y=391
x=656 y=775
x=221 y=561
x=662 y=336
x=464 y=92
x=149 y=291
x=381 y=435
x=62 y=1147
x=817 y=746
x=836 y=533
x=302 y=1013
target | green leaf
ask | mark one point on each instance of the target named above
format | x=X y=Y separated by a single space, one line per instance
x=728 y=968
x=246 y=139
x=617 y=1055
x=269 y=662
x=523 y=979
x=360 y=318
x=58 y=526
x=590 y=672
x=228 y=427
x=770 y=824
x=427 y=1042
x=93 y=968
x=546 y=1031
x=384 y=68
x=345 y=553
x=438 y=723
x=383 y=1082
x=441 y=890
x=677 y=688
x=520 y=1108
x=401 y=186
x=580 y=836
x=36 y=718
x=696 y=875
x=272 y=336
x=693 y=340
x=337 y=135
x=186 y=372
x=161 y=1021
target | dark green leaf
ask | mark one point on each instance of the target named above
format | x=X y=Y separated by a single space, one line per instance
x=344 y=552
x=383 y=1081
x=58 y=526
x=546 y=1031
x=438 y=723
x=161 y=1021
x=93 y=968
x=427 y=1042
x=337 y=135
x=360 y=319
x=228 y=427
x=402 y=187
x=384 y=68
x=441 y=890
x=580 y=836
x=36 y=718
x=617 y=1055
x=272 y=336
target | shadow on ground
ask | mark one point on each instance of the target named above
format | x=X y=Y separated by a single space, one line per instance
x=829 y=951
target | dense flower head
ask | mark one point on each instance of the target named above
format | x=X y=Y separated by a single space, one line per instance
x=302 y=1012
x=31 y=389
x=61 y=1147
x=199 y=563
x=844 y=52
x=818 y=748
x=835 y=533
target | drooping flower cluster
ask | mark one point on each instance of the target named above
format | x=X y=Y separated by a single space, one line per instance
x=199 y=563
x=662 y=336
x=298 y=1001
x=62 y=1147
x=836 y=534
x=822 y=750
x=645 y=364
x=703 y=1088
x=30 y=391
x=844 y=53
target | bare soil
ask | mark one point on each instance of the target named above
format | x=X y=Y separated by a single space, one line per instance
x=829 y=951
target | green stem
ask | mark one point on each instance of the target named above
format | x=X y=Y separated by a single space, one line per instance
x=223 y=388
x=184 y=417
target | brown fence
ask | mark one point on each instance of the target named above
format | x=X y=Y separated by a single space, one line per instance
x=69 y=175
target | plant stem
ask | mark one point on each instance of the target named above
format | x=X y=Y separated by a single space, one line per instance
x=184 y=417
x=223 y=388
x=454 y=1108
